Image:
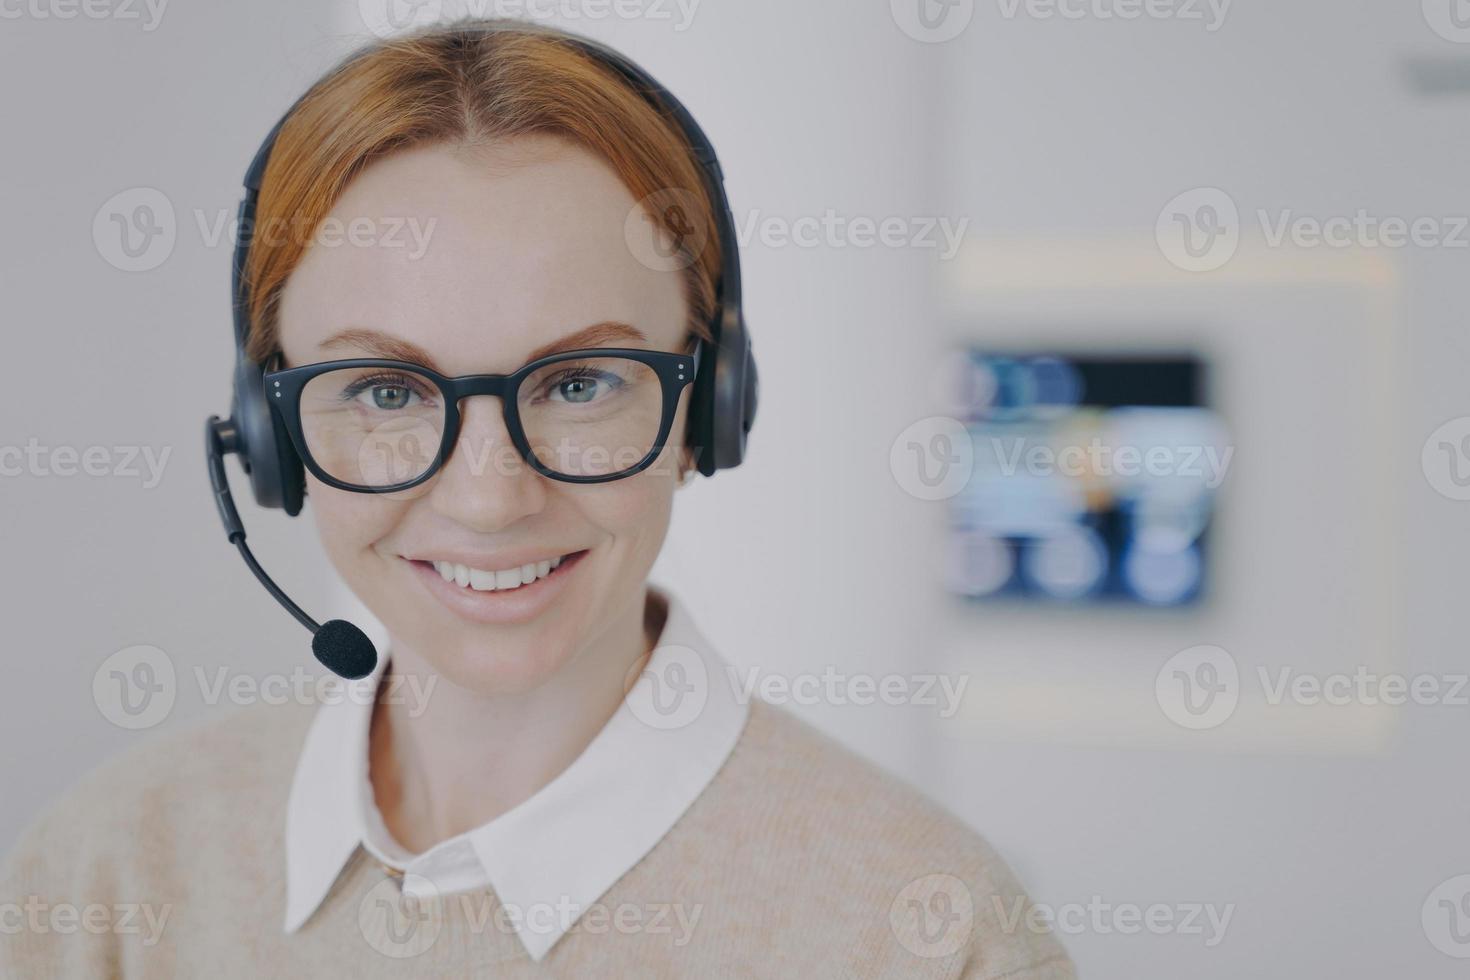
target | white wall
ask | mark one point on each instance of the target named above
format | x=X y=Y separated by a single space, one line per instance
x=1325 y=828
x=101 y=357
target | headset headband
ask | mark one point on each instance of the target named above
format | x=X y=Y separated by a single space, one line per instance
x=728 y=293
x=723 y=402
x=722 y=406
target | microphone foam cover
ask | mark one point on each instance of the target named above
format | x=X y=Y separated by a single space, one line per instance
x=344 y=649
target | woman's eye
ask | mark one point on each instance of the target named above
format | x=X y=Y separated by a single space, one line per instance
x=391 y=396
x=578 y=390
x=386 y=397
x=581 y=386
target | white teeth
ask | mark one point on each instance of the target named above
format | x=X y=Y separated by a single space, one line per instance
x=485 y=581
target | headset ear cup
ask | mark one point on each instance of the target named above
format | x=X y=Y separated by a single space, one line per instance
x=725 y=397
x=277 y=477
x=700 y=438
x=292 y=472
x=752 y=395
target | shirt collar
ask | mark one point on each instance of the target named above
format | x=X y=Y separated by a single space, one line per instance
x=570 y=841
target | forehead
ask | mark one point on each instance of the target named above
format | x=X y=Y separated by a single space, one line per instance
x=479 y=255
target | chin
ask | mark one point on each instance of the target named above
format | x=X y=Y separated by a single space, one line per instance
x=449 y=638
x=495 y=665
x=485 y=660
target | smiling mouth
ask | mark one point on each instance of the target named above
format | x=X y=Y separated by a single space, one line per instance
x=502 y=580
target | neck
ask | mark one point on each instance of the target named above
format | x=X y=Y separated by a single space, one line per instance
x=460 y=759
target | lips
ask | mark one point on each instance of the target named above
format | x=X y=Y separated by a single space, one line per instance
x=482 y=580
x=518 y=603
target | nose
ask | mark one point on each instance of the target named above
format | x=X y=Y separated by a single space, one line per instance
x=485 y=485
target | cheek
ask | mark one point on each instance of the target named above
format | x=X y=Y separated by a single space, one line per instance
x=635 y=511
x=349 y=523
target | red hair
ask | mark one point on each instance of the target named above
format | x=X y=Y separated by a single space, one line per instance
x=469 y=82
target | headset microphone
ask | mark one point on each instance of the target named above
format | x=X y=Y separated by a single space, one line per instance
x=341 y=647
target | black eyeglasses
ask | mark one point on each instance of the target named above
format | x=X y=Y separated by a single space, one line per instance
x=582 y=416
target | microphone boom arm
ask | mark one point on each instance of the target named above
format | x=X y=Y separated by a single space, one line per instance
x=221 y=437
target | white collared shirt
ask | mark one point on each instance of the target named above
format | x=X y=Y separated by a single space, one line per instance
x=562 y=848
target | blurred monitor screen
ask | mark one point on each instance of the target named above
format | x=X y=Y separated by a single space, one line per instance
x=1094 y=478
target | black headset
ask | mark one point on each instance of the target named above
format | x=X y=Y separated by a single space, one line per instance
x=722 y=404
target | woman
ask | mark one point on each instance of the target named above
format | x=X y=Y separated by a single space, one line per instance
x=551 y=773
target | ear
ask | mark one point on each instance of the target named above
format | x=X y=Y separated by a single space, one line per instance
x=686 y=468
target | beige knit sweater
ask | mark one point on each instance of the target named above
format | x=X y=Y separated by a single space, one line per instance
x=800 y=859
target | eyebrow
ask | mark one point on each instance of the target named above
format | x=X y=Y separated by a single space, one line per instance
x=376 y=343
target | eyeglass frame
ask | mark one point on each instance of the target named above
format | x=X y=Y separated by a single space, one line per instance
x=675 y=371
